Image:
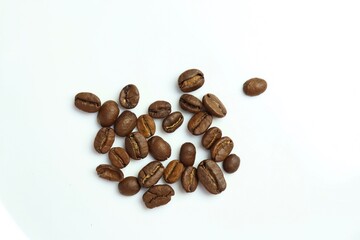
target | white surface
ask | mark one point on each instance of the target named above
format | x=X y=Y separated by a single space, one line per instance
x=299 y=142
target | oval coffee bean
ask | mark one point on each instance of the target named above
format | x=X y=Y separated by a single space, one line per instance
x=87 y=102
x=221 y=149
x=119 y=157
x=211 y=176
x=199 y=123
x=213 y=105
x=136 y=146
x=158 y=195
x=150 y=174
x=159 y=148
x=190 y=103
x=108 y=113
x=187 y=154
x=190 y=80
x=125 y=123
x=110 y=172
x=254 y=86
x=189 y=179
x=231 y=164
x=104 y=140
x=129 y=96
x=172 y=122
x=159 y=109
x=129 y=186
x=146 y=125
x=173 y=171
x=211 y=136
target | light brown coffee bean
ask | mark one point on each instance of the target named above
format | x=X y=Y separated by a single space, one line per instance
x=187 y=154
x=189 y=179
x=119 y=157
x=136 y=146
x=87 y=102
x=210 y=136
x=158 y=195
x=110 y=172
x=125 y=123
x=129 y=96
x=190 y=80
x=214 y=106
x=159 y=148
x=108 y=113
x=104 y=140
x=173 y=171
x=172 y=122
x=211 y=176
x=150 y=174
x=199 y=123
x=221 y=149
x=254 y=86
x=129 y=186
x=146 y=125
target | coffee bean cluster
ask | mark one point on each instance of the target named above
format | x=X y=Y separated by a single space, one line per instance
x=143 y=141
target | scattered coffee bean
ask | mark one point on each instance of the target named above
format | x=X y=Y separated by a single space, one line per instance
x=231 y=163
x=254 y=86
x=172 y=122
x=146 y=125
x=199 y=123
x=110 y=172
x=150 y=174
x=158 y=195
x=87 y=102
x=136 y=146
x=159 y=148
x=187 y=154
x=104 y=140
x=173 y=171
x=221 y=149
x=211 y=136
x=191 y=103
x=189 y=179
x=211 y=176
x=119 y=157
x=190 y=80
x=214 y=106
x=125 y=123
x=129 y=96
x=159 y=109
x=129 y=186
x=108 y=113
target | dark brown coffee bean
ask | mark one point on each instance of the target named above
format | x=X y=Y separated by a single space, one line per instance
x=87 y=102
x=129 y=96
x=191 y=103
x=104 y=140
x=173 y=171
x=110 y=172
x=211 y=136
x=108 y=113
x=159 y=148
x=150 y=174
x=211 y=176
x=125 y=123
x=136 y=146
x=187 y=154
x=119 y=157
x=129 y=186
x=213 y=105
x=159 y=109
x=199 y=123
x=190 y=80
x=146 y=125
x=158 y=195
x=221 y=149
x=254 y=86
x=189 y=179
x=231 y=164
x=172 y=122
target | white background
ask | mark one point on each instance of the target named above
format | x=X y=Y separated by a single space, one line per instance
x=299 y=141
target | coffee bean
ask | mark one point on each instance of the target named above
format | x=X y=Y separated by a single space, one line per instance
x=189 y=179
x=119 y=157
x=129 y=186
x=221 y=149
x=136 y=146
x=173 y=171
x=172 y=122
x=125 y=123
x=191 y=103
x=199 y=123
x=231 y=163
x=211 y=136
x=214 y=106
x=158 y=195
x=190 y=80
x=187 y=154
x=254 y=86
x=159 y=148
x=108 y=113
x=87 y=102
x=211 y=176
x=104 y=140
x=150 y=174
x=110 y=172
x=129 y=96
x=146 y=125
x=159 y=109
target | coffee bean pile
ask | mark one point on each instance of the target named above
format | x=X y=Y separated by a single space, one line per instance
x=142 y=142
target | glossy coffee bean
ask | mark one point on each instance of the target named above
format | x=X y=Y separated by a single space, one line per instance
x=136 y=146
x=129 y=186
x=87 y=102
x=119 y=157
x=231 y=163
x=159 y=109
x=110 y=172
x=173 y=171
x=221 y=149
x=191 y=103
x=146 y=125
x=125 y=123
x=187 y=154
x=158 y=195
x=172 y=122
x=199 y=123
x=150 y=174
x=104 y=139
x=159 y=148
x=211 y=176
x=129 y=96
x=108 y=113
x=254 y=86
x=189 y=180
x=190 y=80
x=210 y=136
x=214 y=106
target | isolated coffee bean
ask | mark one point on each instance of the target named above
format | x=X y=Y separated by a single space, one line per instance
x=159 y=148
x=110 y=172
x=213 y=105
x=159 y=109
x=190 y=80
x=210 y=136
x=108 y=113
x=129 y=96
x=87 y=102
x=187 y=154
x=189 y=180
x=158 y=195
x=254 y=86
x=129 y=186
x=231 y=163
x=119 y=157
x=104 y=139
x=146 y=125
x=136 y=146
x=172 y=122
x=173 y=171
x=125 y=123
x=221 y=149
x=150 y=174
x=211 y=176
x=191 y=103
x=199 y=123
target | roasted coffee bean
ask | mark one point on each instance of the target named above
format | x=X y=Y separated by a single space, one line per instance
x=136 y=146
x=211 y=176
x=125 y=123
x=159 y=148
x=104 y=140
x=159 y=109
x=172 y=122
x=187 y=154
x=173 y=171
x=213 y=105
x=199 y=123
x=129 y=96
x=189 y=179
x=221 y=149
x=211 y=136
x=129 y=186
x=254 y=86
x=108 y=113
x=158 y=195
x=119 y=157
x=191 y=103
x=190 y=80
x=87 y=102
x=231 y=163
x=110 y=172
x=150 y=174
x=146 y=125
